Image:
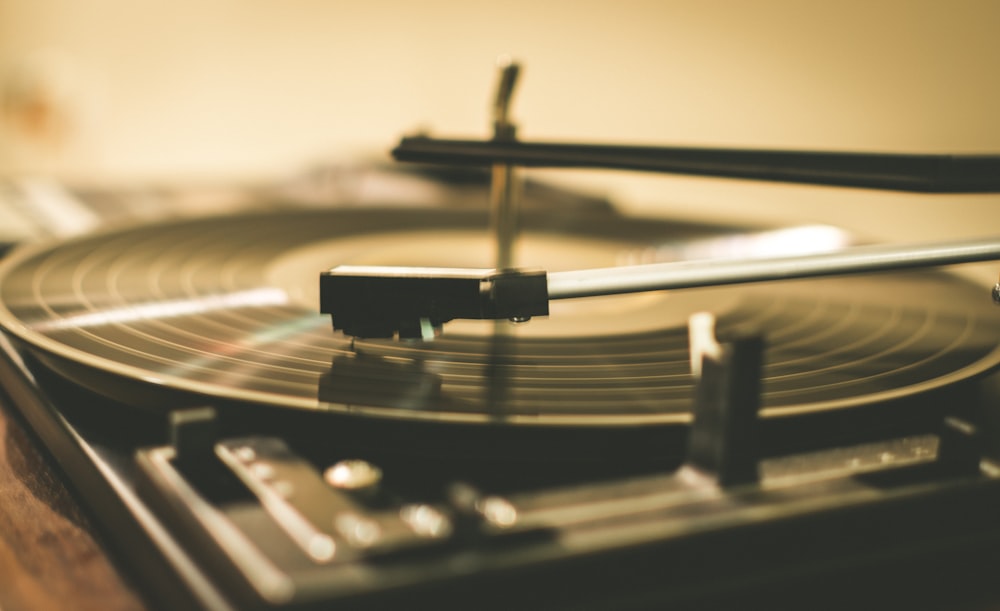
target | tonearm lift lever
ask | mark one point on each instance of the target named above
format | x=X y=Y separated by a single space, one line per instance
x=406 y=302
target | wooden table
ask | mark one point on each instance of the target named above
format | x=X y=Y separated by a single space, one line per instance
x=50 y=555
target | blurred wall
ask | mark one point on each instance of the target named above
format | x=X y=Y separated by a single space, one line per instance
x=124 y=90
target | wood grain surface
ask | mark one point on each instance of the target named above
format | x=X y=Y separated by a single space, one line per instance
x=50 y=556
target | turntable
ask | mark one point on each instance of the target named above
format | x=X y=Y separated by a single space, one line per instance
x=802 y=436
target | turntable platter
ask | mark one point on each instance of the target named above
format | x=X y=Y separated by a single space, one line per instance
x=227 y=307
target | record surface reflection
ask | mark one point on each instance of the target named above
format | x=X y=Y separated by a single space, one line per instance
x=227 y=307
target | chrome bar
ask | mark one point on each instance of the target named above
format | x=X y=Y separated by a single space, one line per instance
x=691 y=274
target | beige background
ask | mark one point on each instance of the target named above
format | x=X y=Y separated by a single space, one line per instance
x=138 y=90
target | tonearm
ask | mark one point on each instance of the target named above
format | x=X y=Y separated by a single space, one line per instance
x=410 y=302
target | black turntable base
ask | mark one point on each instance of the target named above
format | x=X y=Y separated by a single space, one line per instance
x=238 y=453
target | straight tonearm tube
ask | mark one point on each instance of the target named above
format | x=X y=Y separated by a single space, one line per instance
x=410 y=302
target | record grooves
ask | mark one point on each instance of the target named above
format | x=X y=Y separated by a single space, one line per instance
x=224 y=307
x=576 y=428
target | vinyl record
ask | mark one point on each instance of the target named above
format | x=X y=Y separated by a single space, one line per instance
x=228 y=308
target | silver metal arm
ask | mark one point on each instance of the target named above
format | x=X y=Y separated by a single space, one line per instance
x=414 y=302
x=690 y=274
